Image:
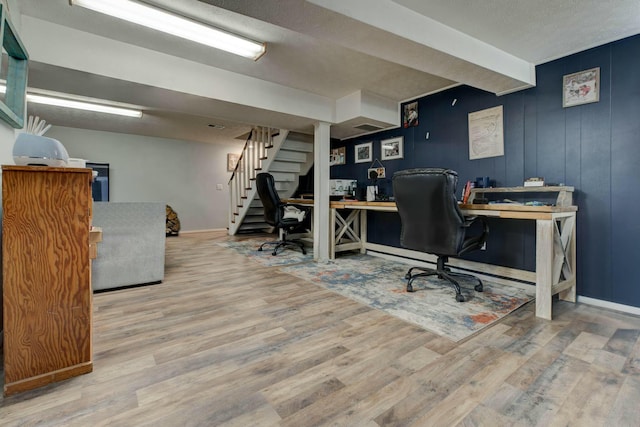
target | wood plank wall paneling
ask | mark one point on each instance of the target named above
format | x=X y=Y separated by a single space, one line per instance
x=593 y=147
x=625 y=158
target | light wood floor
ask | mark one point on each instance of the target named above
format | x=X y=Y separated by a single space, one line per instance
x=224 y=341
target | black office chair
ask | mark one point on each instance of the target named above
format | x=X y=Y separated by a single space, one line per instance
x=274 y=213
x=433 y=223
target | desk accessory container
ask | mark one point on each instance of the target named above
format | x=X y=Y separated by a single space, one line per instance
x=534 y=182
x=483 y=182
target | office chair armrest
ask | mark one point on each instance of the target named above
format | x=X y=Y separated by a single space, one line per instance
x=469 y=220
x=305 y=208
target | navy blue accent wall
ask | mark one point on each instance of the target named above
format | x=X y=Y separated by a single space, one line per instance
x=593 y=147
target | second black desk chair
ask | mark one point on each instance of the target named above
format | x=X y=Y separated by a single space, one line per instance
x=274 y=213
x=433 y=223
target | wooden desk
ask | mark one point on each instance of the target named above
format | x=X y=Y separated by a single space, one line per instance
x=555 y=241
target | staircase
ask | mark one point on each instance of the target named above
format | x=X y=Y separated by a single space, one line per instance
x=286 y=155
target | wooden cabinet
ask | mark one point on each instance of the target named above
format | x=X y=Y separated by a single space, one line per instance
x=47 y=295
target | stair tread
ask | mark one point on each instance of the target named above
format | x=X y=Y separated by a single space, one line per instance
x=253 y=220
x=254 y=226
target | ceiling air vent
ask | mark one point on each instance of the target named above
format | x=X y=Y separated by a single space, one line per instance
x=368 y=127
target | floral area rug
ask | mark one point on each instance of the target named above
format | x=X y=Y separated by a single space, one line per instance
x=380 y=283
x=249 y=248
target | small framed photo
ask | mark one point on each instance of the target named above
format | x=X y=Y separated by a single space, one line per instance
x=232 y=161
x=337 y=156
x=391 y=148
x=410 y=114
x=364 y=152
x=580 y=88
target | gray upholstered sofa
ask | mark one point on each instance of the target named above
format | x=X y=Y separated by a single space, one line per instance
x=133 y=242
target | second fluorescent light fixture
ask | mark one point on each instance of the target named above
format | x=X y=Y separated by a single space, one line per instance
x=80 y=105
x=166 y=22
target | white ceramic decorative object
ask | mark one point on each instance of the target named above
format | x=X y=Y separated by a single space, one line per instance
x=39 y=150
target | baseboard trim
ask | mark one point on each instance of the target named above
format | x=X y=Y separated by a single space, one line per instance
x=203 y=231
x=609 y=305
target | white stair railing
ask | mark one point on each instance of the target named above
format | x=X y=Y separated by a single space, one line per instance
x=241 y=193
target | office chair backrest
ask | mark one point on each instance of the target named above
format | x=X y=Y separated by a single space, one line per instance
x=266 y=187
x=431 y=219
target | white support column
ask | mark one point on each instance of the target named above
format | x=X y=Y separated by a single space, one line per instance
x=321 y=211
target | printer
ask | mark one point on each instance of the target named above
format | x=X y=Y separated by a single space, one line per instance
x=342 y=187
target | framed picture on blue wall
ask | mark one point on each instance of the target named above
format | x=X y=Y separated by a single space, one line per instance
x=486 y=133
x=364 y=152
x=337 y=156
x=410 y=114
x=391 y=148
x=580 y=88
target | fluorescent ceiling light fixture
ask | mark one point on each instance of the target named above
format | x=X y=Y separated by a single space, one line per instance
x=166 y=22
x=80 y=105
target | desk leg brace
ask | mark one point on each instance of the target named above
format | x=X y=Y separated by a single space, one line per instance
x=363 y=231
x=555 y=252
x=347 y=227
x=332 y=233
x=346 y=232
x=569 y=244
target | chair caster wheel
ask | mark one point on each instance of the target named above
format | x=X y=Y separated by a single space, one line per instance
x=459 y=297
x=478 y=288
x=409 y=288
x=260 y=249
x=274 y=253
x=407 y=276
x=304 y=252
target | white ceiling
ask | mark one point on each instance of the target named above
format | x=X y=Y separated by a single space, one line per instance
x=318 y=50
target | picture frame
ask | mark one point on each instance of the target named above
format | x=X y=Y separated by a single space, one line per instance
x=410 y=114
x=392 y=148
x=337 y=156
x=232 y=161
x=100 y=184
x=486 y=133
x=580 y=88
x=381 y=172
x=363 y=152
